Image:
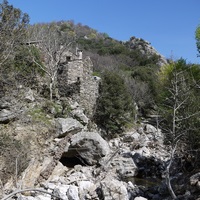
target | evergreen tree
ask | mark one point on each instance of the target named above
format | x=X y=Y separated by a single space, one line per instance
x=13 y=25
x=115 y=107
x=197 y=37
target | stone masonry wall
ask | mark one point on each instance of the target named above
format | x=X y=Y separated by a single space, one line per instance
x=89 y=88
x=89 y=95
x=75 y=79
x=74 y=71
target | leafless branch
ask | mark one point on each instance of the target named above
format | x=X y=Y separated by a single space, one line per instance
x=30 y=189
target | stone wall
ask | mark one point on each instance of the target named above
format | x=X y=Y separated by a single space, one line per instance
x=75 y=80
x=89 y=88
x=67 y=83
x=89 y=95
x=74 y=71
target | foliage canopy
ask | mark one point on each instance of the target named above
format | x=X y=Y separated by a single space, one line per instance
x=13 y=25
x=115 y=108
x=197 y=36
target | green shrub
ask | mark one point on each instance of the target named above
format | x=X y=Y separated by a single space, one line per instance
x=38 y=115
x=115 y=108
x=26 y=70
x=61 y=109
x=96 y=73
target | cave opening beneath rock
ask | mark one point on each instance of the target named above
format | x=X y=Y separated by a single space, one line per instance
x=71 y=158
x=70 y=162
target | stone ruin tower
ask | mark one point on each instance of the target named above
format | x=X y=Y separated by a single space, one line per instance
x=75 y=80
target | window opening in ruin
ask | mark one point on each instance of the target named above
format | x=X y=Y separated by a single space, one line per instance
x=69 y=93
x=60 y=69
x=69 y=58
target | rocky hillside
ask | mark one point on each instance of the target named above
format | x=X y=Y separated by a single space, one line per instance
x=129 y=54
x=73 y=116
x=146 y=49
x=66 y=158
x=52 y=149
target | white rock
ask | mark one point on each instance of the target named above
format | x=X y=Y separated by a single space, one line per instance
x=140 y=198
x=67 y=125
x=80 y=116
x=86 y=188
x=114 y=189
x=29 y=96
x=43 y=197
x=144 y=151
x=74 y=105
x=93 y=145
x=114 y=142
x=150 y=129
x=50 y=186
x=72 y=193
x=85 y=185
x=124 y=166
x=136 y=136
x=27 y=198
x=75 y=177
x=62 y=191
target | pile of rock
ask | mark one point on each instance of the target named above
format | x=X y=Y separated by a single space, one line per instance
x=106 y=167
x=125 y=168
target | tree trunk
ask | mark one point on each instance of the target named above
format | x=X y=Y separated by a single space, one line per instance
x=168 y=181
x=51 y=91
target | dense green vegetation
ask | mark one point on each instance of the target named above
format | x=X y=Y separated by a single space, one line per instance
x=13 y=25
x=197 y=36
x=115 y=108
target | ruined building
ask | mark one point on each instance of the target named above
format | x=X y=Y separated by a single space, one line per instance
x=75 y=80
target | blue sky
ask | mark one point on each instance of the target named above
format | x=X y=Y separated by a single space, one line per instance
x=169 y=25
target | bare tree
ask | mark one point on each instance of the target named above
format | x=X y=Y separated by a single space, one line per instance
x=180 y=106
x=53 y=45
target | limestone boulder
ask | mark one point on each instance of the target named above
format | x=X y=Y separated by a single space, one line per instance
x=114 y=189
x=65 y=126
x=8 y=115
x=33 y=171
x=80 y=116
x=149 y=129
x=4 y=104
x=29 y=96
x=72 y=193
x=140 y=198
x=124 y=166
x=61 y=191
x=87 y=190
x=153 y=133
x=90 y=146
